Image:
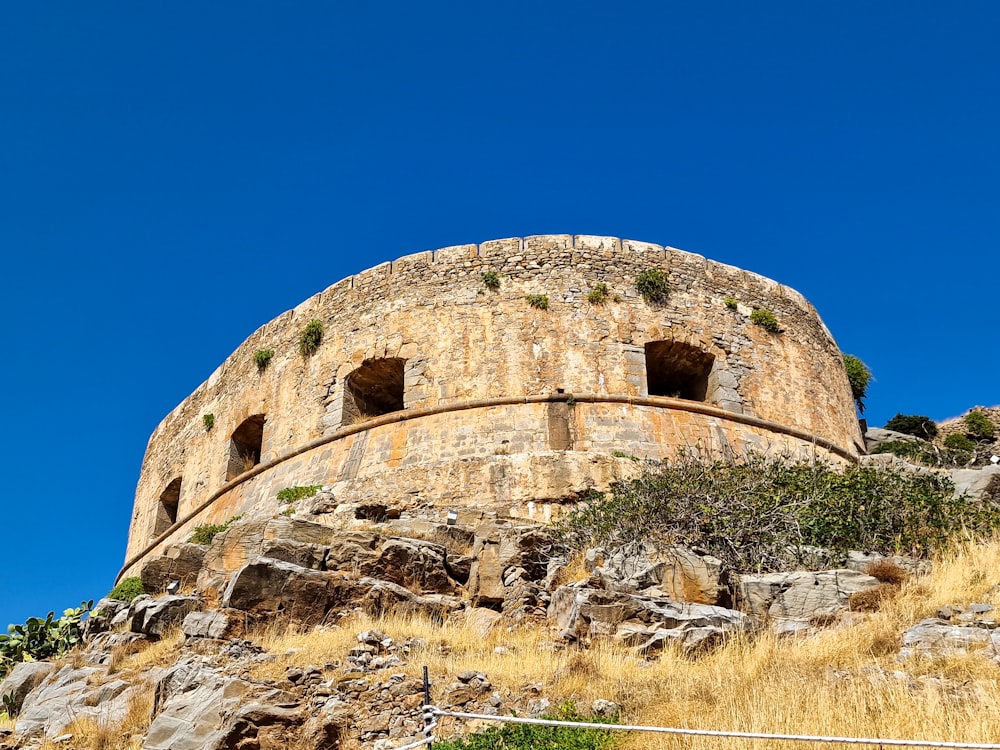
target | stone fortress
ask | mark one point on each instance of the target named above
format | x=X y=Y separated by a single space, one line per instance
x=434 y=391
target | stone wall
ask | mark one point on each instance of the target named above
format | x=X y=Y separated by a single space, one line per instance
x=430 y=390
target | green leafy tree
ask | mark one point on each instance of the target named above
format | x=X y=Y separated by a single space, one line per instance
x=913 y=424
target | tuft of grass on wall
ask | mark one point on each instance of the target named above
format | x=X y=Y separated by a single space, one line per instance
x=262 y=358
x=205 y=533
x=312 y=336
x=766 y=320
x=491 y=280
x=538 y=301
x=653 y=285
x=292 y=494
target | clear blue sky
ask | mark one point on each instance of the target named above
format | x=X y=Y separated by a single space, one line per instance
x=173 y=175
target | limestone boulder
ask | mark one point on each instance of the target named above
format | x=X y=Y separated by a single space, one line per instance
x=800 y=595
x=982 y=483
x=214 y=624
x=102 y=616
x=640 y=621
x=861 y=561
x=74 y=693
x=203 y=709
x=675 y=572
x=154 y=617
x=413 y=563
x=876 y=436
x=937 y=637
x=181 y=562
x=249 y=539
x=267 y=587
x=377 y=597
x=21 y=680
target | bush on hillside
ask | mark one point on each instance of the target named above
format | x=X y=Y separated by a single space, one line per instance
x=959 y=442
x=758 y=514
x=979 y=425
x=532 y=737
x=127 y=589
x=39 y=639
x=913 y=424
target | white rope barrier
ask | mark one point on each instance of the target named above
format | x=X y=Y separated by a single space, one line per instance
x=714 y=733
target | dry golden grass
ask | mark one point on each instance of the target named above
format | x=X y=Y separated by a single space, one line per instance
x=838 y=681
x=5 y=721
x=127 y=734
x=140 y=655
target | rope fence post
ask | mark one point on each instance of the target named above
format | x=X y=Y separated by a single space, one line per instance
x=429 y=719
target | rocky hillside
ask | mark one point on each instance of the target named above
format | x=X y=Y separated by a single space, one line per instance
x=310 y=630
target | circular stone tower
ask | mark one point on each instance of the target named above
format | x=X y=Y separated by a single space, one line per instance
x=506 y=375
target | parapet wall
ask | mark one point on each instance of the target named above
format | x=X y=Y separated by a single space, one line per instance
x=430 y=390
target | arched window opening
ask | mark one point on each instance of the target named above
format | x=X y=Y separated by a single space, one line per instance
x=373 y=389
x=676 y=369
x=245 y=446
x=166 y=509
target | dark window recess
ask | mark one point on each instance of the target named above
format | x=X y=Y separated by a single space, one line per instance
x=676 y=369
x=245 y=446
x=166 y=509
x=374 y=388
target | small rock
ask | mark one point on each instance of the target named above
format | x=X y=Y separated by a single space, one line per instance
x=981 y=609
x=602 y=707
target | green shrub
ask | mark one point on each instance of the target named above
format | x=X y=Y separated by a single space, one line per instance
x=311 y=337
x=262 y=358
x=598 y=294
x=205 y=533
x=39 y=639
x=291 y=494
x=760 y=514
x=731 y=303
x=208 y=420
x=958 y=442
x=533 y=737
x=911 y=451
x=858 y=375
x=979 y=425
x=127 y=589
x=538 y=301
x=913 y=424
x=766 y=320
x=491 y=280
x=653 y=285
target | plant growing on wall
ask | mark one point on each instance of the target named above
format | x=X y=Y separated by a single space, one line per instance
x=652 y=284
x=206 y=532
x=598 y=294
x=858 y=375
x=208 y=420
x=491 y=280
x=766 y=320
x=262 y=357
x=538 y=301
x=291 y=494
x=731 y=303
x=311 y=337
